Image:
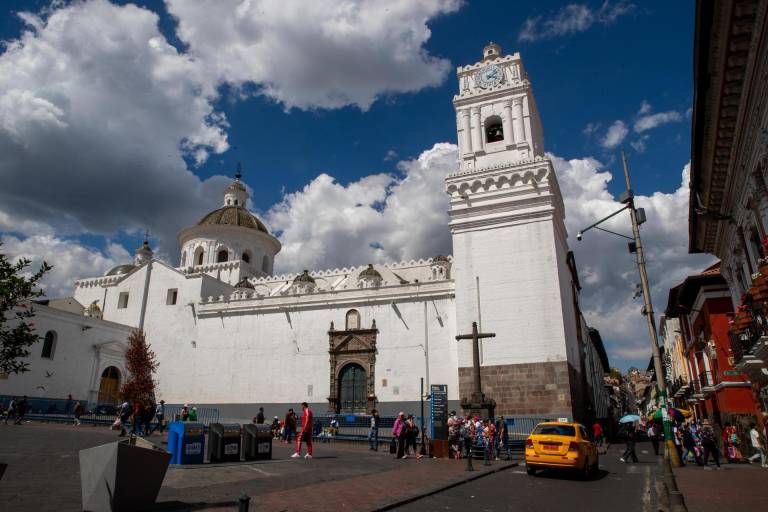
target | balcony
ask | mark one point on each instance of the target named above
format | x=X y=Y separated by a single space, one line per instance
x=707 y=383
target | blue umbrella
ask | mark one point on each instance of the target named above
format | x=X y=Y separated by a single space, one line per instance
x=629 y=418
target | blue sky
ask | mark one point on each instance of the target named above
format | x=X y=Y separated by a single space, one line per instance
x=592 y=65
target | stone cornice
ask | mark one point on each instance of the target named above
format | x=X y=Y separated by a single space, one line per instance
x=82 y=321
x=255 y=303
x=504 y=175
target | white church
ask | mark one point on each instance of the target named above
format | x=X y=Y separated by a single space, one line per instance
x=229 y=334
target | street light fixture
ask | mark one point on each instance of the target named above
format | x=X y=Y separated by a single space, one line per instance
x=637 y=217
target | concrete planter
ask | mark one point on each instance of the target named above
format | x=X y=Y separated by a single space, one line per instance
x=121 y=477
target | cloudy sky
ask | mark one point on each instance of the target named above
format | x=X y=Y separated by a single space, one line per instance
x=117 y=117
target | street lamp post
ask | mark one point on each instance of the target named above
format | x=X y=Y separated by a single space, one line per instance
x=637 y=247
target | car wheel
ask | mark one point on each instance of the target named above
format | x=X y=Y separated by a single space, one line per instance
x=530 y=470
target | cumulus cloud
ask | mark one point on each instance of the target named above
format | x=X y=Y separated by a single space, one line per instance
x=381 y=217
x=614 y=135
x=97 y=115
x=608 y=270
x=572 y=19
x=319 y=54
x=651 y=121
x=108 y=120
x=70 y=259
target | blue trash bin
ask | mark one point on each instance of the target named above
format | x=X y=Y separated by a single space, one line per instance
x=186 y=442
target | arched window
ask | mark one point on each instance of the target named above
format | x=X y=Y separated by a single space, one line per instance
x=494 y=130
x=265 y=264
x=49 y=345
x=183 y=258
x=235 y=202
x=229 y=202
x=222 y=256
x=353 y=320
x=246 y=257
x=199 y=256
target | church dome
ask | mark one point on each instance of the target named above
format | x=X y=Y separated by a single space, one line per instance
x=233 y=216
x=304 y=278
x=121 y=270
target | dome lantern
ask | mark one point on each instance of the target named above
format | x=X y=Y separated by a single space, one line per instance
x=144 y=253
x=236 y=194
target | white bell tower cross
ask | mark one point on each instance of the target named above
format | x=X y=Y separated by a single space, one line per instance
x=510 y=250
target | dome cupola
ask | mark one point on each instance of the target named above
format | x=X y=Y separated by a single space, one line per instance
x=441 y=267
x=144 y=253
x=304 y=283
x=369 y=278
x=236 y=194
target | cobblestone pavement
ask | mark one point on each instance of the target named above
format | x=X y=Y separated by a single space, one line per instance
x=43 y=474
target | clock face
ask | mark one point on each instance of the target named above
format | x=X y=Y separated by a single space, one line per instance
x=489 y=76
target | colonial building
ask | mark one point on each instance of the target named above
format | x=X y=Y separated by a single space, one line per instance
x=716 y=389
x=229 y=333
x=729 y=166
x=79 y=354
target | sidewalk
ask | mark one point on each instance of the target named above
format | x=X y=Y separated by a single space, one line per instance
x=340 y=477
x=735 y=487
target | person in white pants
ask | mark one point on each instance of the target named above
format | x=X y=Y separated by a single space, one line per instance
x=757 y=445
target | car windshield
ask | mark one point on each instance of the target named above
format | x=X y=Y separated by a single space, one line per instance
x=556 y=430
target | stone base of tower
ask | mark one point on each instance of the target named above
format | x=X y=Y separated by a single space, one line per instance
x=529 y=389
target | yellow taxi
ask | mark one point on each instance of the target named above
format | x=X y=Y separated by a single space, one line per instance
x=561 y=445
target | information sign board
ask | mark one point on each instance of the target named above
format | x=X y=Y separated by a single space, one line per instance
x=439 y=411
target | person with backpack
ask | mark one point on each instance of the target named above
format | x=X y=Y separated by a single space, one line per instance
x=709 y=443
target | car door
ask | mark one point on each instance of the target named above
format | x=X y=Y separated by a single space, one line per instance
x=589 y=446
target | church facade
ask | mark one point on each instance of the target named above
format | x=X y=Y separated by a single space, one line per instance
x=229 y=333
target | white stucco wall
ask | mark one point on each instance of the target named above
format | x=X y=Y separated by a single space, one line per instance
x=84 y=348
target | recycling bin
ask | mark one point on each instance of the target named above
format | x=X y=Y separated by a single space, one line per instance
x=186 y=442
x=224 y=442
x=257 y=442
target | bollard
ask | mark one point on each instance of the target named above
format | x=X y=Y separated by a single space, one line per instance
x=469 y=455
x=243 y=504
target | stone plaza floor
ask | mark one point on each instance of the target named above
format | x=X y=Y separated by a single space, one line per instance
x=43 y=474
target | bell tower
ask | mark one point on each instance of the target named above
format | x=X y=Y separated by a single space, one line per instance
x=510 y=245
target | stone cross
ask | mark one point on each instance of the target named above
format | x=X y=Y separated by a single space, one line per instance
x=477 y=392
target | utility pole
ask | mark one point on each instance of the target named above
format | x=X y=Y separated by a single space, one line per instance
x=648 y=306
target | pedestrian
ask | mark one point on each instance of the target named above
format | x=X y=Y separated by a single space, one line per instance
x=503 y=435
x=260 y=416
x=468 y=434
x=79 y=410
x=729 y=442
x=373 y=434
x=68 y=405
x=597 y=433
x=21 y=410
x=454 y=435
x=147 y=417
x=709 y=443
x=677 y=437
x=137 y=414
x=160 y=417
x=630 y=437
x=124 y=413
x=757 y=445
x=275 y=427
x=185 y=413
x=290 y=426
x=399 y=433
x=11 y=413
x=689 y=445
x=653 y=436
x=305 y=435
x=489 y=437
x=193 y=414
x=412 y=432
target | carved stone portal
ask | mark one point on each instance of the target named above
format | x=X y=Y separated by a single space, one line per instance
x=353 y=363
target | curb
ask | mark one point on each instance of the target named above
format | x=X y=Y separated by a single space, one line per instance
x=675 y=499
x=411 y=499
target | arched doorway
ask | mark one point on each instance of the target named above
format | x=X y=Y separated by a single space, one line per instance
x=109 y=385
x=353 y=396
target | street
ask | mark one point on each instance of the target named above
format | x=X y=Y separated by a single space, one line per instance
x=619 y=486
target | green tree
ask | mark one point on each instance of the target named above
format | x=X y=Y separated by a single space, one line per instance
x=141 y=364
x=17 y=331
